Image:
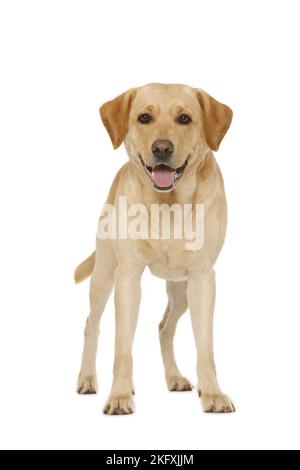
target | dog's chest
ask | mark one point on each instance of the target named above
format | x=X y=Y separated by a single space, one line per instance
x=168 y=271
x=166 y=260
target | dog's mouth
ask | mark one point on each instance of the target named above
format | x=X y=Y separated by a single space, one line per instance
x=164 y=177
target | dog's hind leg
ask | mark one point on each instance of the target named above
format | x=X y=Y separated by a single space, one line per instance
x=102 y=281
x=177 y=305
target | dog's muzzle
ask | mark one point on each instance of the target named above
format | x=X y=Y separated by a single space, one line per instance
x=164 y=177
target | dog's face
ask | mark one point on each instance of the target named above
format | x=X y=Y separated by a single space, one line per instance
x=166 y=129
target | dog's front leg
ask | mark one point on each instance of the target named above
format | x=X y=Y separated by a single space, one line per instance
x=127 y=302
x=201 y=299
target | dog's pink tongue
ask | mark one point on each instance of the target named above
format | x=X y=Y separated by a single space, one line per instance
x=163 y=176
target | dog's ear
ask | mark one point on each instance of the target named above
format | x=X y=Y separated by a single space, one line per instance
x=217 y=118
x=114 y=115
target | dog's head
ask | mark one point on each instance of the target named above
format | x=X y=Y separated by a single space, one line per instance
x=166 y=129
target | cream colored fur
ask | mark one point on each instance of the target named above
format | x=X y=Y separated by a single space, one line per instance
x=189 y=275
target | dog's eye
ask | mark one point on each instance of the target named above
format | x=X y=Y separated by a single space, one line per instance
x=184 y=119
x=145 y=118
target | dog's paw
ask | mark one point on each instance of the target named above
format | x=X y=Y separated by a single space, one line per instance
x=216 y=403
x=178 y=383
x=119 y=405
x=87 y=384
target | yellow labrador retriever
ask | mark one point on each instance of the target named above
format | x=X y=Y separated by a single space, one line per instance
x=169 y=132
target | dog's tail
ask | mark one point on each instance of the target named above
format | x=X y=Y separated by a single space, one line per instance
x=85 y=269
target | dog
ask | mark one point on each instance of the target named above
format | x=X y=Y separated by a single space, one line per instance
x=170 y=132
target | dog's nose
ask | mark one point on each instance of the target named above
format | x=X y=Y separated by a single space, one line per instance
x=162 y=148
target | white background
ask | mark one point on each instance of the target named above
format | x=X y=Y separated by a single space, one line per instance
x=59 y=61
